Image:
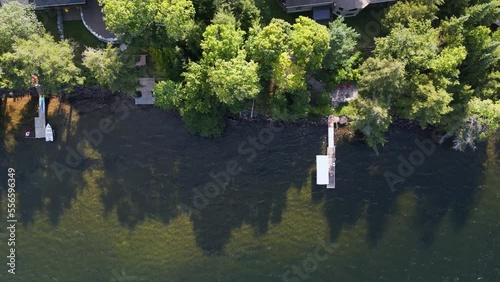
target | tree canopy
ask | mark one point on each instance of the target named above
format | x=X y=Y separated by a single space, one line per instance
x=438 y=64
x=40 y=55
x=111 y=69
x=17 y=21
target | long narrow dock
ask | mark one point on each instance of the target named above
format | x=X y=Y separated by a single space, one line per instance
x=40 y=122
x=325 y=164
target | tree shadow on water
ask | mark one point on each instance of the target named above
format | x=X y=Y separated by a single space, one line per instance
x=441 y=188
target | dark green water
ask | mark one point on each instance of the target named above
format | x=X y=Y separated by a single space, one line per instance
x=126 y=211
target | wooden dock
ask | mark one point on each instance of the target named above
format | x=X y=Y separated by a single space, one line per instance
x=325 y=164
x=40 y=122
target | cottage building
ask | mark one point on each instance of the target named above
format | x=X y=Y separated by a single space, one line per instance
x=345 y=8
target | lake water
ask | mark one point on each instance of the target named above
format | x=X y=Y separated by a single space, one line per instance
x=141 y=203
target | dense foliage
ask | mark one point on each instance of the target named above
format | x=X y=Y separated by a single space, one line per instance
x=40 y=55
x=437 y=62
x=26 y=49
x=111 y=68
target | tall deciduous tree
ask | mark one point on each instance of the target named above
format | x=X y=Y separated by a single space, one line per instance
x=40 y=55
x=266 y=45
x=382 y=79
x=309 y=42
x=373 y=120
x=17 y=21
x=244 y=10
x=129 y=20
x=221 y=40
x=111 y=69
x=234 y=81
x=403 y=12
x=155 y=22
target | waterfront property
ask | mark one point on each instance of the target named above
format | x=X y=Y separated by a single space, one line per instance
x=345 y=8
x=325 y=164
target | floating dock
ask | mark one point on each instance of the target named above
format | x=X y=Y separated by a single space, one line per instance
x=325 y=164
x=40 y=124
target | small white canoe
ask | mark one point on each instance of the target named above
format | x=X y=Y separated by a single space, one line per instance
x=49 y=134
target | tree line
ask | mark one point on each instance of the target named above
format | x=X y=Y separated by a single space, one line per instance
x=437 y=62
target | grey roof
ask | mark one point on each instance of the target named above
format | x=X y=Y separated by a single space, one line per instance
x=352 y=4
x=304 y=3
x=57 y=3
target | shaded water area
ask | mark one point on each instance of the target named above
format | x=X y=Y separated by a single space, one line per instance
x=140 y=203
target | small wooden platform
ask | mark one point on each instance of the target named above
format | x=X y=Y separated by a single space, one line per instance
x=146 y=89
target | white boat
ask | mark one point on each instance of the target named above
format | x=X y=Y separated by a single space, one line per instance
x=49 y=134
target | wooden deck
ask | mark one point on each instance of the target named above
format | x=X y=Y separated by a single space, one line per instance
x=146 y=89
x=331 y=168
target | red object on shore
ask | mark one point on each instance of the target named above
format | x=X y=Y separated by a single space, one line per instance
x=34 y=79
x=341 y=87
x=348 y=86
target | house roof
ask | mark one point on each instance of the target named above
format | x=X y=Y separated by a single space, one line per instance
x=352 y=4
x=306 y=3
x=57 y=3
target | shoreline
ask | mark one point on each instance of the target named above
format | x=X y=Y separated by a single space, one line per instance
x=97 y=94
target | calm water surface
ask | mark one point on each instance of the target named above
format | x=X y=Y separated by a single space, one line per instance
x=133 y=208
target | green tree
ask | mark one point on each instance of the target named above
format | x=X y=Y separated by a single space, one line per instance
x=168 y=95
x=39 y=55
x=174 y=18
x=17 y=21
x=146 y=22
x=130 y=20
x=111 y=69
x=484 y=12
x=245 y=11
x=202 y=113
x=266 y=45
x=372 y=119
x=288 y=77
x=290 y=105
x=430 y=102
x=491 y=89
x=234 y=81
x=382 y=79
x=415 y=45
x=403 y=12
x=343 y=41
x=309 y=43
x=482 y=120
x=221 y=41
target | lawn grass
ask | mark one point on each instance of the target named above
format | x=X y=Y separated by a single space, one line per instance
x=270 y=9
x=49 y=20
x=75 y=31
